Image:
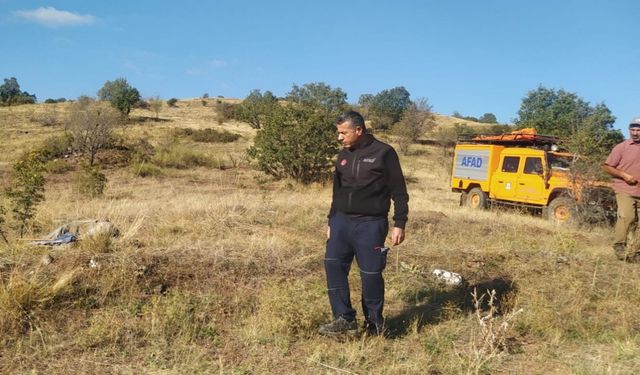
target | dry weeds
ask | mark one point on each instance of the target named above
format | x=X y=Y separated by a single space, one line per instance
x=219 y=270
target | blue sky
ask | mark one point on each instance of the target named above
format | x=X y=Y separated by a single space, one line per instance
x=468 y=56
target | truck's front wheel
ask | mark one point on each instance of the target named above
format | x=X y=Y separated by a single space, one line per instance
x=562 y=210
x=476 y=198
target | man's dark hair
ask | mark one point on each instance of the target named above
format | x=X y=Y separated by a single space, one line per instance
x=354 y=119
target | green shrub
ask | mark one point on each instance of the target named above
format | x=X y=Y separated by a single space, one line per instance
x=296 y=141
x=55 y=147
x=172 y=102
x=26 y=189
x=91 y=182
x=226 y=112
x=57 y=166
x=140 y=151
x=179 y=156
x=3 y=213
x=144 y=169
x=213 y=136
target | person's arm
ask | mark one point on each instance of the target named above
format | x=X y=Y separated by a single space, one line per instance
x=618 y=173
x=332 y=209
x=399 y=195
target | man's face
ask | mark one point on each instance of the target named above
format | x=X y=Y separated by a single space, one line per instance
x=349 y=136
x=635 y=134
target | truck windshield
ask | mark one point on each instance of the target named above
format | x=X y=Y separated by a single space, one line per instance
x=562 y=162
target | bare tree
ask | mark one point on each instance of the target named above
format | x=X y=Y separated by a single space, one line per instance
x=415 y=121
x=156 y=104
x=91 y=123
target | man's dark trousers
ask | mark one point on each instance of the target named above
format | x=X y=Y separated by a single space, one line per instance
x=364 y=239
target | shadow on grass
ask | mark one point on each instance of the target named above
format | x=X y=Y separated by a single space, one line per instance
x=142 y=119
x=461 y=298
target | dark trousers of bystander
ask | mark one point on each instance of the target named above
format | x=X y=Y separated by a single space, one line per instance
x=362 y=238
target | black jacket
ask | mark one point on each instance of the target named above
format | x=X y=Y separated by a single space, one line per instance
x=366 y=179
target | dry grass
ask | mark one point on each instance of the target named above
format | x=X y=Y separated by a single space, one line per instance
x=219 y=270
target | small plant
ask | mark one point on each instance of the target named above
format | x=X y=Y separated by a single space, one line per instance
x=179 y=156
x=145 y=169
x=3 y=213
x=91 y=182
x=172 y=102
x=156 y=105
x=57 y=166
x=226 y=112
x=56 y=147
x=26 y=190
x=214 y=136
x=488 y=340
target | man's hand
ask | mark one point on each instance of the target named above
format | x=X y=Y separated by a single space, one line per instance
x=614 y=172
x=629 y=179
x=397 y=236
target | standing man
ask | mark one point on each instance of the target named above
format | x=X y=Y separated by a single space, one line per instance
x=367 y=177
x=623 y=164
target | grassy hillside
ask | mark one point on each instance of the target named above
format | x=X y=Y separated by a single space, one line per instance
x=219 y=269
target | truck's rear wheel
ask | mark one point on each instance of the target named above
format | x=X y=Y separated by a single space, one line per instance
x=562 y=210
x=476 y=198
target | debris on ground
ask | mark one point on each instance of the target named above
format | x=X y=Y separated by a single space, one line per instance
x=448 y=277
x=75 y=230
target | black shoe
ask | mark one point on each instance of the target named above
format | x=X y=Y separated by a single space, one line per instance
x=620 y=250
x=374 y=330
x=635 y=258
x=340 y=326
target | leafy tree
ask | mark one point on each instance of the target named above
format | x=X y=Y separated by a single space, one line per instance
x=91 y=123
x=121 y=95
x=463 y=130
x=499 y=129
x=319 y=95
x=9 y=90
x=27 y=189
x=156 y=105
x=387 y=106
x=446 y=137
x=364 y=104
x=226 y=111
x=10 y=93
x=297 y=141
x=256 y=107
x=416 y=119
x=488 y=118
x=585 y=129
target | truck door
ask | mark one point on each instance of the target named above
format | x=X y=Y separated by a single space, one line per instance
x=504 y=181
x=531 y=186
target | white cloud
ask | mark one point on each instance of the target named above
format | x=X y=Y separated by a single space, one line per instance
x=52 y=17
x=206 y=68
x=218 y=63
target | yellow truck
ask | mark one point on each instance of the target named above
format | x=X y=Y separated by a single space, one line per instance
x=520 y=169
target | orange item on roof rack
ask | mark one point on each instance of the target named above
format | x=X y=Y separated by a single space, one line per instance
x=526 y=135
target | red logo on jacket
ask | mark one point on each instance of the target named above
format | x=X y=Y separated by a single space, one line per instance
x=343 y=162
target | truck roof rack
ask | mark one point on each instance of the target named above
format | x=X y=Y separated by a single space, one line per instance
x=524 y=137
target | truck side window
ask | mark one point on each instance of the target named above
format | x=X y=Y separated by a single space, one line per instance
x=510 y=164
x=533 y=166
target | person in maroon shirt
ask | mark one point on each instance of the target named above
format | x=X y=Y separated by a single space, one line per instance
x=623 y=164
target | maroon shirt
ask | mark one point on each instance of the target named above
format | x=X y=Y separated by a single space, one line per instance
x=626 y=157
